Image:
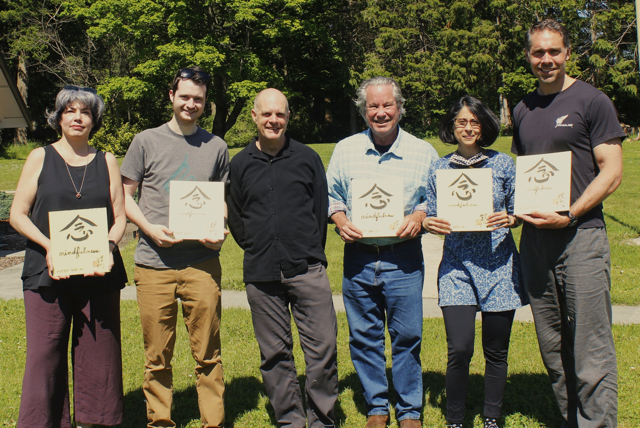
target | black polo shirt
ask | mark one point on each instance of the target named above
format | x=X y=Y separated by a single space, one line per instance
x=278 y=210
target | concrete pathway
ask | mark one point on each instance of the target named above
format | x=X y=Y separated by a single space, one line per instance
x=11 y=288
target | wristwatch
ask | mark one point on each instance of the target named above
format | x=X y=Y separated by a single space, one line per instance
x=573 y=220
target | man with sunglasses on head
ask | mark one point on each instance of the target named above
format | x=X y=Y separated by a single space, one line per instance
x=168 y=269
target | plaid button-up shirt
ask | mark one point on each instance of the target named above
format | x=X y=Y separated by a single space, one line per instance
x=409 y=159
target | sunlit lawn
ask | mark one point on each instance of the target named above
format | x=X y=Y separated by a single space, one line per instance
x=528 y=400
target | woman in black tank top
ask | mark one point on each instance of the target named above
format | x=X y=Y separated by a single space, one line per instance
x=70 y=175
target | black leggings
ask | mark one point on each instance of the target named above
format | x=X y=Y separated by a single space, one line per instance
x=459 y=322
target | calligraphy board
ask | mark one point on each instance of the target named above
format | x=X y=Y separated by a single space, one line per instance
x=79 y=241
x=377 y=206
x=543 y=183
x=196 y=209
x=465 y=198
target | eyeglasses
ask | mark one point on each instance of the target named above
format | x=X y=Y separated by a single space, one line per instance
x=462 y=123
x=187 y=73
x=80 y=88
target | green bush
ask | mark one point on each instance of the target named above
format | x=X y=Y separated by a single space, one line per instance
x=243 y=131
x=113 y=139
x=19 y=151
x=5 y=205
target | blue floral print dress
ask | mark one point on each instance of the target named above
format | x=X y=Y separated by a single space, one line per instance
x=480 y=268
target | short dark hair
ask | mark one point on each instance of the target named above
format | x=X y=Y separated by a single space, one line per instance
x=87 y=97
x=196 y=78
x=549 y=25
x=489 y=123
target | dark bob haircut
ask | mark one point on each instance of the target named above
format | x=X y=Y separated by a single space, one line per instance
x=489 y=123
x=547 y=25
x=83 y=96
x=199 y=76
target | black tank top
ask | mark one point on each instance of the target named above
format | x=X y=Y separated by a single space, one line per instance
x=55 y=193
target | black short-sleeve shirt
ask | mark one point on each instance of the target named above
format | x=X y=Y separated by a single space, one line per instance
x=577 y=119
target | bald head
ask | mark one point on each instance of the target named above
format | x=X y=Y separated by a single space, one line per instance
x=271 y=115
x=270 y=95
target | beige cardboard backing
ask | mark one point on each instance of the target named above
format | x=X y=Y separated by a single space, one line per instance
x=79 y=241
x=465 y=197
x=543 y=183
x=196 y=209
x=377 y=206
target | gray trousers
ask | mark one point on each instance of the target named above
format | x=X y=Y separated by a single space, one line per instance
x=566 y=273
x=309 y=296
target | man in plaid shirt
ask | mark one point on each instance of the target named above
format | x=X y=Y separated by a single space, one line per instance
x=383 y=277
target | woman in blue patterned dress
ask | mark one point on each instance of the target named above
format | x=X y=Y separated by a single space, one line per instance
x=479 y=270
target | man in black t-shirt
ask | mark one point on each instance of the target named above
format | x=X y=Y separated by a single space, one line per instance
x=565 y=256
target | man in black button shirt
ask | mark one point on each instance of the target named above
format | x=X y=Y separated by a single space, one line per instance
x=278 y=206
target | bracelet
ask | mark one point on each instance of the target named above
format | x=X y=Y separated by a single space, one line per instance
x=114 y=245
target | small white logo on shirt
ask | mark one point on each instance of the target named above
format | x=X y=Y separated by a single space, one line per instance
x=561 y=119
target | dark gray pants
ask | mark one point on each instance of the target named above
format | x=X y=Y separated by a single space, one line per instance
x=566 y=273
x=309 y=296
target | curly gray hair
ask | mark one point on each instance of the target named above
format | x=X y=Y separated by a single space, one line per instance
x=77 y=94
x=361 y=94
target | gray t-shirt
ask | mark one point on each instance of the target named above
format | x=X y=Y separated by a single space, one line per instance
x=157 y=156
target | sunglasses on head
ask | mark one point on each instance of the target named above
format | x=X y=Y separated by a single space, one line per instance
x=187 y=73
x=80 y=88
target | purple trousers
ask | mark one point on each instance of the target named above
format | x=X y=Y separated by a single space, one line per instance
x=96 y=359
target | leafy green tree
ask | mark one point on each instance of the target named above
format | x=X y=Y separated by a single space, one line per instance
x=605 y=47
x=316 y=51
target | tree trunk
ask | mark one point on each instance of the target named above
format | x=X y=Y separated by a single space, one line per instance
x=505 y=113
x=23 y=86
x=221 y=110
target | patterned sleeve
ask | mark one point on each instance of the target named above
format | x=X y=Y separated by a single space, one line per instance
x=509 y=183
x=337 y=191
x=424 y=180
x=432 y=194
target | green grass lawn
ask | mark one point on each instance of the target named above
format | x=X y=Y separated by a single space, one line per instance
x=528 y=401
x=10 y=170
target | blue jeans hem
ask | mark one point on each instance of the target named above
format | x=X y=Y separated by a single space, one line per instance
x=409 y=416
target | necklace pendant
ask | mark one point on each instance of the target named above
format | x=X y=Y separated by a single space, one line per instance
x=78 y=195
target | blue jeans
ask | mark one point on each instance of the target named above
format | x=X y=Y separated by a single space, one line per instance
x=387 y=286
